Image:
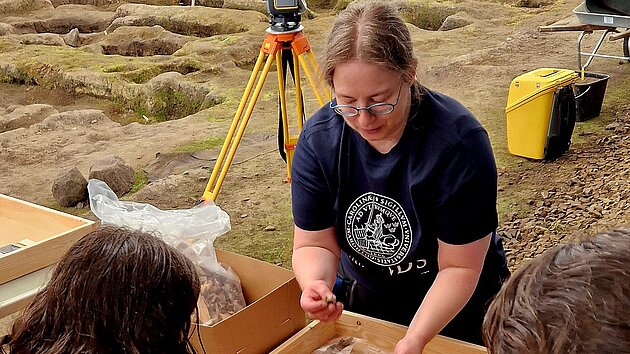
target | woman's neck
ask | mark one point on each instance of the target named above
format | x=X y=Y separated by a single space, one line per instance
x=386 y=145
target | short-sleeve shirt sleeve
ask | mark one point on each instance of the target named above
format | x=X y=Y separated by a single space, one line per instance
x=466 y=210
x=312 y=195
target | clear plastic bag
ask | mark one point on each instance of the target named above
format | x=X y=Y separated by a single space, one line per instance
x=191 y=231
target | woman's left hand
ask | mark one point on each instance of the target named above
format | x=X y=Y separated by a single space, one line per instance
x=409 y=345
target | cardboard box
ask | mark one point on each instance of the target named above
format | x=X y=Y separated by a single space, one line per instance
x=42 y=235
x=272 y=315
x=381 y=333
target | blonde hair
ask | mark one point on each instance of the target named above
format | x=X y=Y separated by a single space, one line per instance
x=374 y=32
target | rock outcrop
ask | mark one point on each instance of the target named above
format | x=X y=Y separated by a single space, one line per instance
x=453 y=22
x=63 y=19
x=22 y=6
x=143 y=41
x=188 y=20
x=24 y=116
x=6 y=28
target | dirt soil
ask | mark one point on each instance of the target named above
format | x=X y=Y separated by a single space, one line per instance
x=540 y=203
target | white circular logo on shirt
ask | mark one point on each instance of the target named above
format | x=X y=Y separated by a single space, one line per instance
x=377 y=228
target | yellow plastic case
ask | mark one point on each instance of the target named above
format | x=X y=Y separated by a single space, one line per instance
x=529 y=109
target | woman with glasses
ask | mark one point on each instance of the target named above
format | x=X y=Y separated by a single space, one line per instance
x=394 y=192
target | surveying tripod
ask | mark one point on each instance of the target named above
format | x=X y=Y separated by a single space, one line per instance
x=277 y=45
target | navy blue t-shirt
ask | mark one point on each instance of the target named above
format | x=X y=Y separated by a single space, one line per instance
x=389 y=210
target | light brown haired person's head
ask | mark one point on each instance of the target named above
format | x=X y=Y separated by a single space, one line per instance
x=574 y=298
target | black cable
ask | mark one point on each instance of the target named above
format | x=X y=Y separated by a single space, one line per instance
x=5 y=341
x=199 y=331
x=287 y=61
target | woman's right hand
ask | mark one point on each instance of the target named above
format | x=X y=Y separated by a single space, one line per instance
x=319 y=302
x=314 y=261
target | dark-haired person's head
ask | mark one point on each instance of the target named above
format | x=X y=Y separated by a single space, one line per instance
x=574 y=298
x=115 y=291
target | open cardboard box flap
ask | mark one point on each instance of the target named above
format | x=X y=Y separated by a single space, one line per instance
x=272 y=315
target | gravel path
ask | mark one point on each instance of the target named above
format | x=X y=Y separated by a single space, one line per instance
x=584 y=192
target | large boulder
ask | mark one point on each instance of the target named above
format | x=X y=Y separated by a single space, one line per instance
x=114 y=171
x=25 y=116
x=69 y=187
x=72 y=38
x=143 y=41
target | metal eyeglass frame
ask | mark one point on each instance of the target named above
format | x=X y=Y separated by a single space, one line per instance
x=392 y=106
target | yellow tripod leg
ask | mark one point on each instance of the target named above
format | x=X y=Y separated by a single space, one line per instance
x=320 y=81
x=235 y=121
x=298 y=91
x=311 y=80
x=272 y=47
x=241 y=128
x=316 y=85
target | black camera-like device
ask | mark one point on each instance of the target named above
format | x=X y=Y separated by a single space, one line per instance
x=285 y=15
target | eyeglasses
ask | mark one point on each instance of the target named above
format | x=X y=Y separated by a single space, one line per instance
x=378 y=109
